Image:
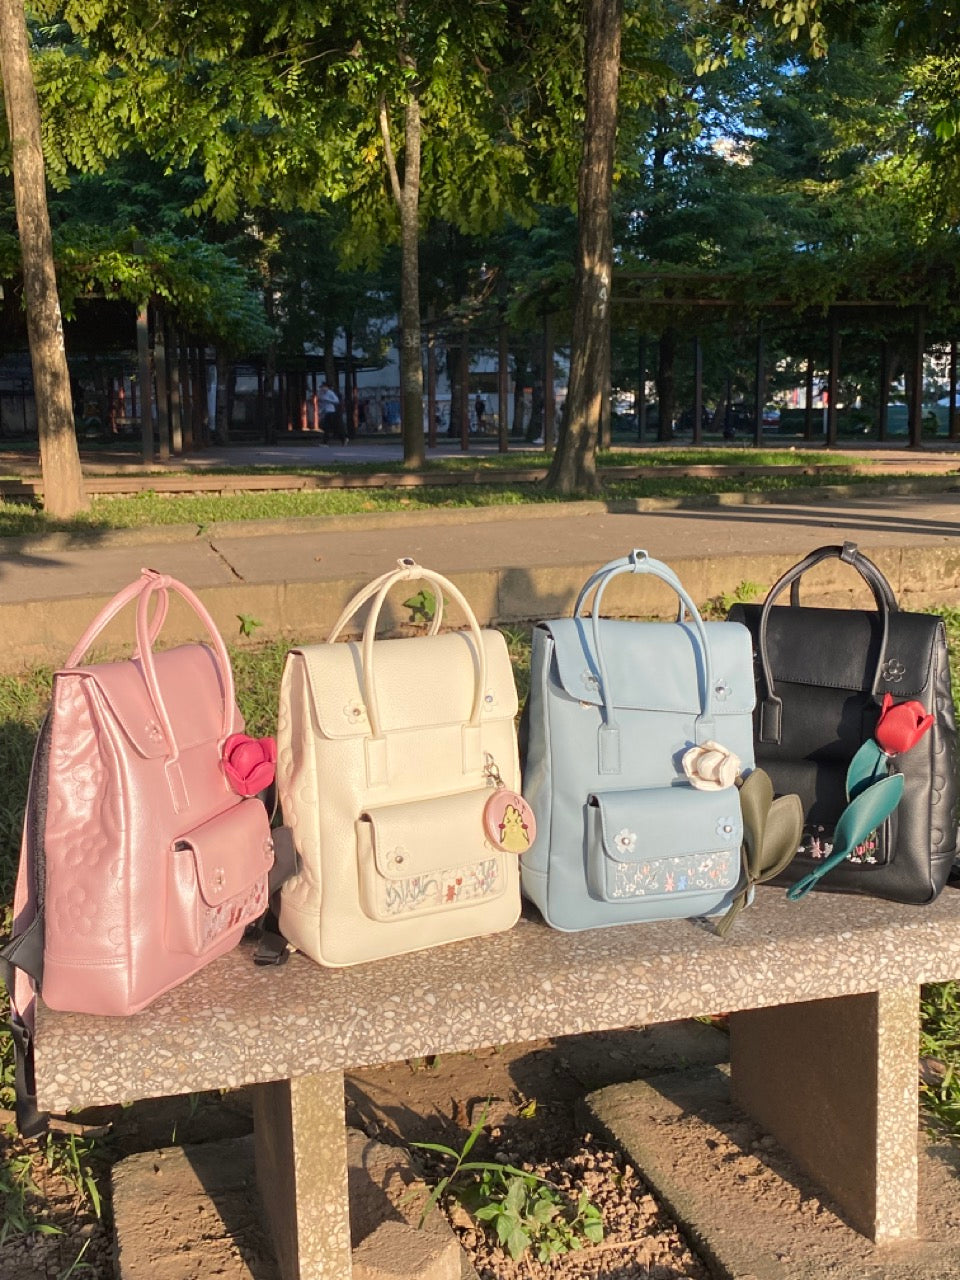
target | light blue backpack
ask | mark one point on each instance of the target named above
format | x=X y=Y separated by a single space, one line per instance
x=615 y=706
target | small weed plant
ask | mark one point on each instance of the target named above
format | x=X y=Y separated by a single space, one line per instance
x=524 y=1210
x=717 y=607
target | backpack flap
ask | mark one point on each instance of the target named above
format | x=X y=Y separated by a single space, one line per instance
x=654 y=666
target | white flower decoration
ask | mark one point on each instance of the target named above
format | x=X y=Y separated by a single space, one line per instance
x=625 y=841
x=710 y=767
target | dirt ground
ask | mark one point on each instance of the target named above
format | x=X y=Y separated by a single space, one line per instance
x=530 y=1094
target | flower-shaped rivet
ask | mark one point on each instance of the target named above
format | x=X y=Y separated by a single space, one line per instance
x=893 y=670
x=153 y=730
x=355 y=712
x=726 y=827
x=398 y=855
x=589 y=680
x=721 y=690
x=219 y=877
x=625 y=841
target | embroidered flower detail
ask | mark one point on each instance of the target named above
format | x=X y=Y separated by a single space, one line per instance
x=893 y=670
x=900 y=726
x=721 y=690
x=726 y=828
x=355 y=712
x=625 y=841
x=710 y=767
x=249 y=764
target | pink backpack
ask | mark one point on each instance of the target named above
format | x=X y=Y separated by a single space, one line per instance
x=140 y=860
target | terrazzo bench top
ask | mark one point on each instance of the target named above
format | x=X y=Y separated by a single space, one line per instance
x=235 y=1024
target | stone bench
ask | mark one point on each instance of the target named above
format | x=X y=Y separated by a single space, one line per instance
x=823 y=997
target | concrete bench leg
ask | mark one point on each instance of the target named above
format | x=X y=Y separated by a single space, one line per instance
x=835 y=1081
x=301 y=1152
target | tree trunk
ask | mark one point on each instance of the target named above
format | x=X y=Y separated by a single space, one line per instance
x=411 y=367
x=666 y=361
x=574 y=467
x=406 y=194
x=63 y=492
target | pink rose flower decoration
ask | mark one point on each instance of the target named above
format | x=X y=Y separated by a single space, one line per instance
x=900 y=727
x=249 y=764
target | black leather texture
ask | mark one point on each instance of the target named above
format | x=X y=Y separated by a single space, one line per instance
x=829 y=670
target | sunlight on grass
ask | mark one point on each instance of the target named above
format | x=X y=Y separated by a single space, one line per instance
x=146 y=509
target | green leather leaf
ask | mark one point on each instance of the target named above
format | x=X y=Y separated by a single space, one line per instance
x=756 y=797
x=868 y=766
x=782 y=836
x=866 y=811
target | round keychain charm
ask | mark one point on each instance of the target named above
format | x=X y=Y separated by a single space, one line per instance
x=507 y=818
x=508 y=821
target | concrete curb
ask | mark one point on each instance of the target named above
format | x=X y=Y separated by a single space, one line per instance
x=40 y=632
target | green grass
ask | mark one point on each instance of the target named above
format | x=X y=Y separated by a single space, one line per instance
x=146 y=509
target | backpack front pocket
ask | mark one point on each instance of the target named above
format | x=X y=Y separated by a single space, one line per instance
x=663 y=842
x=428 y=856
x=217 y=878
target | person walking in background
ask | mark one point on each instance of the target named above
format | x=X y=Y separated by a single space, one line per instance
x=329 y=403
x=479 y=408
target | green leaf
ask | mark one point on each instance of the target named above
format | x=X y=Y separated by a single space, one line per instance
x=438 y=1147
x=866 y=767
x=518 y=1242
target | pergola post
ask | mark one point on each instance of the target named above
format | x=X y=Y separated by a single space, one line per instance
x=758 y=389
x=884 y=415
x=431 y=386
x=464 y=391
x=916 y=382
x=808 y=397
x=833 y=379
x=503 y=382
x=549 y=399
x=146 y=399
x=160 y=369
x=641 y=386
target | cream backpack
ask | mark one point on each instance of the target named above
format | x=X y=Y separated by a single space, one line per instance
x=398 y=779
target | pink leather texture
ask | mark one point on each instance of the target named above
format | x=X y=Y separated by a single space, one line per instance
x=154 y=865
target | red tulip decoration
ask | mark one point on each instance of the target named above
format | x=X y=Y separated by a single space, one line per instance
x=900 y=726
x=874 y=786
x=249 y=764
